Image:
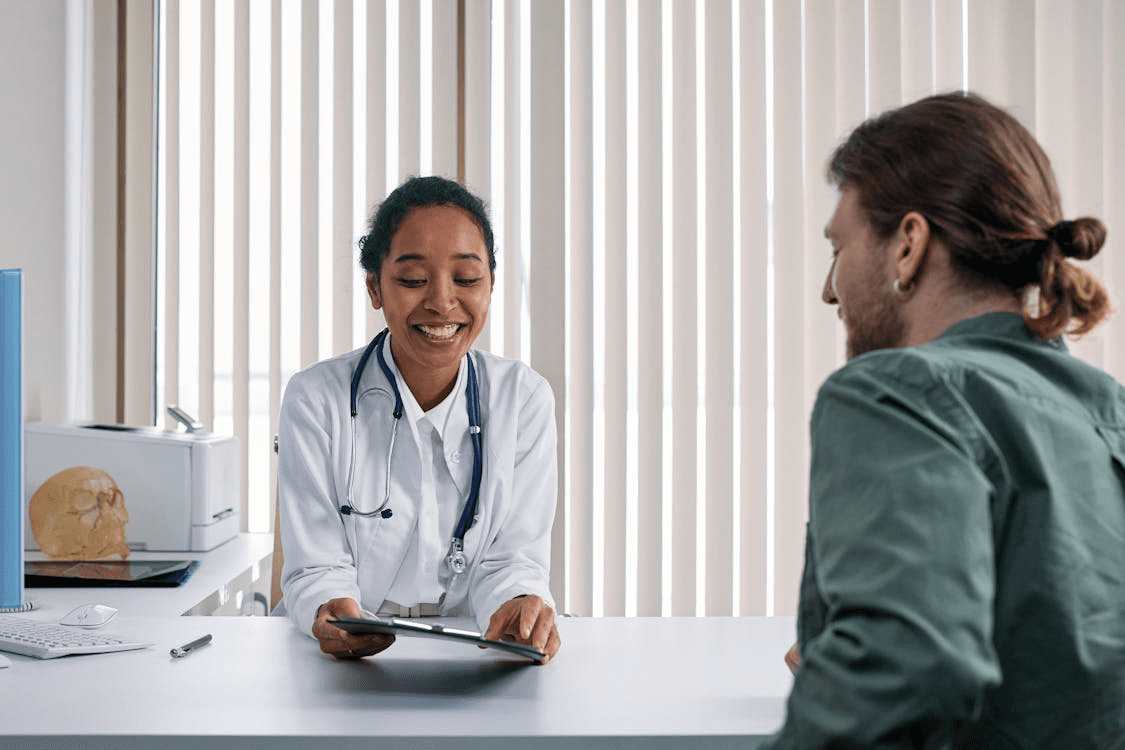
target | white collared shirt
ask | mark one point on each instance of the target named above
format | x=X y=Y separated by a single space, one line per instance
x=423 y=575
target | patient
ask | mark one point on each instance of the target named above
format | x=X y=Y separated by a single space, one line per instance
x=964 y=581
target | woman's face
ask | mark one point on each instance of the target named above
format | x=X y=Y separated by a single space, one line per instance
x=434 y=289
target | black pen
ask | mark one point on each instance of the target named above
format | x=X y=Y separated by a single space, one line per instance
x=187 y=648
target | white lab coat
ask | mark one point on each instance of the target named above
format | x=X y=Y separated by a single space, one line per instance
x=329 y=555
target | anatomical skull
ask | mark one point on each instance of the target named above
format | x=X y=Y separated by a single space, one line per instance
x=79 y=514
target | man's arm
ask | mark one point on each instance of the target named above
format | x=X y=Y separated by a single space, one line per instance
x=901 y=531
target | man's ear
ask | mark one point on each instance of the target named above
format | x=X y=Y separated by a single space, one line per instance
x=913 y=243
x=373 y=292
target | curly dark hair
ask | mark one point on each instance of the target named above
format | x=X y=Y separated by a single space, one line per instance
x=417 y=192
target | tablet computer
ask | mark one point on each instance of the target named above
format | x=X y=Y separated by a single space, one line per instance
x=403 y=627
x=73 y=573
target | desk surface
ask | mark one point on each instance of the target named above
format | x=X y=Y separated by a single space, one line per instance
x=216 y=569
x=620 y=682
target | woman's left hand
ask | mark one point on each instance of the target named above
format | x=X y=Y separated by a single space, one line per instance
x=526 y=619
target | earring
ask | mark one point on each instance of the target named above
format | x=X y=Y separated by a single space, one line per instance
x=903 y=293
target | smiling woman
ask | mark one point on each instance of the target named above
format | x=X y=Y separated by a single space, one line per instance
x=377 y=523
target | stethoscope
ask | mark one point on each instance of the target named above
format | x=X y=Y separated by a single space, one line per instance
x=455 y=559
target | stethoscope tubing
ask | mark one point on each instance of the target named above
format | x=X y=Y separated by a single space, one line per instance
x=455 y=558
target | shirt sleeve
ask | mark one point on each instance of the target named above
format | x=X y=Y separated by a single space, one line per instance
x=517 y=561
x=318 y=562
x=902 y=560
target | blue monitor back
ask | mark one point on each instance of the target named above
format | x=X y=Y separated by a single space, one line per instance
x=11 y=439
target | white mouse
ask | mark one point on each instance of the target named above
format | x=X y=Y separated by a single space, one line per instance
x=89 y=615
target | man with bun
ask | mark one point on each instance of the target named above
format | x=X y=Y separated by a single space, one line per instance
x=964 y=583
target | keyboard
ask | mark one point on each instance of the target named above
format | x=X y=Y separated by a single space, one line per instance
x=46 y=640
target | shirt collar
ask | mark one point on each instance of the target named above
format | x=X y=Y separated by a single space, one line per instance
x=1007 y=325
x=439 y=416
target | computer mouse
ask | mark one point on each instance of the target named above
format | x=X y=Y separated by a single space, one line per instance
x=5 y=661
x=89 y=615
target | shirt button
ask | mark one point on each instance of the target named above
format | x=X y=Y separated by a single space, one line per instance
x=455 y=457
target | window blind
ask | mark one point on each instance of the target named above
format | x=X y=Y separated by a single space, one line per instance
x=654 y=171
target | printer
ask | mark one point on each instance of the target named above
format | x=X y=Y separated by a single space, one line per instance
x=163 y=490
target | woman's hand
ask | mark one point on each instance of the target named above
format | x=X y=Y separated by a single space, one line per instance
x=340 y=643
x=793 y=658
x=526 y=619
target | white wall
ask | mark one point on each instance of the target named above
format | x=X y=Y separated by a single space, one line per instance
x=33 y=203
x=32 y=188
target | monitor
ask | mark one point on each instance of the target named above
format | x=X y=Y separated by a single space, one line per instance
x=11 y=441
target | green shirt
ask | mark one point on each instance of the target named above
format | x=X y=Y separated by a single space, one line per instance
x=964 y=581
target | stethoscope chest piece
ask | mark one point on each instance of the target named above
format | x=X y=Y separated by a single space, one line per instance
x=456 y=558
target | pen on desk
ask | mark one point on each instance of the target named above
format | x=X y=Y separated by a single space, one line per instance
x=187 y=648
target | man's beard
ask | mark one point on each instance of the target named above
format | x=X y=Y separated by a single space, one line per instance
x=876 y=323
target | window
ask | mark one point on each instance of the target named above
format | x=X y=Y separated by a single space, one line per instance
x=654 y=170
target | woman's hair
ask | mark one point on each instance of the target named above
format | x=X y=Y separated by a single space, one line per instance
x=417 y=192
x=987 y=190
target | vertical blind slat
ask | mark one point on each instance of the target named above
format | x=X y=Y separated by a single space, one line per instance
x=220 y=278
x=613 y=270
x=650 y=330
x=1084 y=142
x=948 y=45
x=510 y=155
x=478 y=96
x=851 y=67
x=547 y=294
x=1113 y=177
x=309 y=181
x=1002 y=54
x=789 y=309
x=444 y=96
x=206 y=373
x=274 y=250
x=884 y=54
x=409 y=93
x=579 y=387
x=753 y=366
x=377 y=113
x=719 y=311
x=819 y=198
x=343 y=253
x=171 y=184
x=599 y=273
x=240 y=255
x=917 y=51
x=684 y=304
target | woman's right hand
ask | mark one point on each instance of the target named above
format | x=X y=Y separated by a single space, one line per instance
x=340 y=643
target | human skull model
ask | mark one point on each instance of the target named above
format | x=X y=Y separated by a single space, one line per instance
x=79 y=514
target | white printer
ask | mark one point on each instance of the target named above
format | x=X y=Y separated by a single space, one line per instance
x=181 y=490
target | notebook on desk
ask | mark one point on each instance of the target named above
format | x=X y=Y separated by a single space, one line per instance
x=73 y=573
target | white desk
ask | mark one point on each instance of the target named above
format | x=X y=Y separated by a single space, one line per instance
x=224 y=583
x=622 y=683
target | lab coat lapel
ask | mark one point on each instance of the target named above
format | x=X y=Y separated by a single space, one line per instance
x=457 y=445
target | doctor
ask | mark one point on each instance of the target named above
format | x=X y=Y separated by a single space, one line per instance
x=418 y=476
